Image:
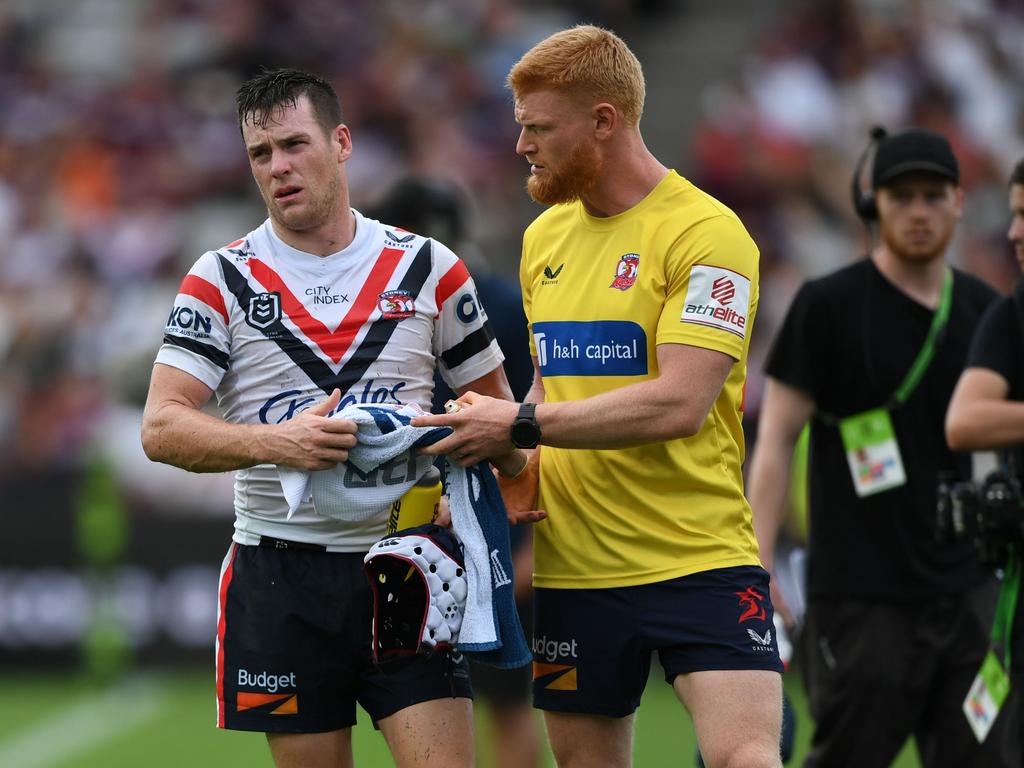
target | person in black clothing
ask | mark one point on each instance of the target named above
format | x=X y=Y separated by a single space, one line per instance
x=987 y=410
x=896 y=625
x=435 y=208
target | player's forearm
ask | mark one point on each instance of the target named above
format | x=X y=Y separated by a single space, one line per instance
x=536 y=393
x=985 y=425
x=641 y=413
x=198 y=442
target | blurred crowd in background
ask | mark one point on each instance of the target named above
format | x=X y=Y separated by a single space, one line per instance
x=120 y=161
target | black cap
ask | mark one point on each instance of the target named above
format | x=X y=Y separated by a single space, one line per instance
x=914 y=150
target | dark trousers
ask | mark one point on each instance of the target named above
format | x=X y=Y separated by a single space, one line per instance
x=877 y=673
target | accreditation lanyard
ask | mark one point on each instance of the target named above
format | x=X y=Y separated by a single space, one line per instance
x=991 y=685
x=927 y=352
x=869 y=439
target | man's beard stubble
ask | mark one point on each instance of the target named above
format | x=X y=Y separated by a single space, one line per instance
x=576 y=178
x=321 y=209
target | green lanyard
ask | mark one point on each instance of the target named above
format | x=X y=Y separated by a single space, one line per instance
x=924 y=357
x=1006 y=607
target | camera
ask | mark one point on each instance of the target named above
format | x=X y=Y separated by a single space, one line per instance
x=991 y=513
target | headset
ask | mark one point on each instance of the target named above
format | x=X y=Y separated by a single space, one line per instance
x=864 y=200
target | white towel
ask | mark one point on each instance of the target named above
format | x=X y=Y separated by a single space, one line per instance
x=380 y=468
x=491 y=630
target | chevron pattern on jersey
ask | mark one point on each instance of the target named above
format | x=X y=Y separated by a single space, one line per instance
x=319 y=372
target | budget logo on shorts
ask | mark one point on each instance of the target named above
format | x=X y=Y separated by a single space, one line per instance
x=549 y=667
x=625 y=272
x=264 y=310
x=752 y=603
x=396 y=305
x=717 y=297
x=271 y=699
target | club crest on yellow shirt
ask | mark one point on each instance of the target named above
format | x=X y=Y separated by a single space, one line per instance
x=625 y=272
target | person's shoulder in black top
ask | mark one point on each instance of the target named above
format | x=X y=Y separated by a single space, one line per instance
x=998 y=345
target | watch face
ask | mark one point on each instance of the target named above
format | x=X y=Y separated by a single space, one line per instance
x=524 y=434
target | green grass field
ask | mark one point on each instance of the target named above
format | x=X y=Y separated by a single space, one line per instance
x=166 y=721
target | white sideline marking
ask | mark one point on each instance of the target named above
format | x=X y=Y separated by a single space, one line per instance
x=84 y=724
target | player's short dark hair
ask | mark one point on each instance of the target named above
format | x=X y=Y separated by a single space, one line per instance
x=1017 y=175
x=274 y=89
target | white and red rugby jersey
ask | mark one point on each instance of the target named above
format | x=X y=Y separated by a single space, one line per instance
x=273 y=330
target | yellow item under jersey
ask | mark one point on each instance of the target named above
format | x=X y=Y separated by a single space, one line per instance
x=600 y=294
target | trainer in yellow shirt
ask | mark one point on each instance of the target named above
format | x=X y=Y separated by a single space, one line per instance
x=600 y=294
x=640 y=291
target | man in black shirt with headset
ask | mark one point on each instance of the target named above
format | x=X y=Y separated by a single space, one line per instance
x=987 y=413
x=897 y=625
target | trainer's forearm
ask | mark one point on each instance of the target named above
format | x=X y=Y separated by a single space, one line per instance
x=185 y=437
x=641 y=413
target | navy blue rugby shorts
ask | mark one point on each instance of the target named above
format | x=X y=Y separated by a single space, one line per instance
x=293 y=646
x=592 y=648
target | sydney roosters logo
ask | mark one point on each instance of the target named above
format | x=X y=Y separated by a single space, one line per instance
x=752 y=602
x=396 y=305
x=625 y=272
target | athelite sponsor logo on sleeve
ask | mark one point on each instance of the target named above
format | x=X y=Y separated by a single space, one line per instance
x=595 y=348
x=717 y=298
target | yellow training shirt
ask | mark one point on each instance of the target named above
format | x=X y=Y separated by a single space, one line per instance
x=600 y=294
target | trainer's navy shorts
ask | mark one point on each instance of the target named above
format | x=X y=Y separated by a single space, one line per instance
x=294 y=646
x=592 y=647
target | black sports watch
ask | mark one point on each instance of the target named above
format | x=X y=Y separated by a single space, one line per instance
x=525 y=431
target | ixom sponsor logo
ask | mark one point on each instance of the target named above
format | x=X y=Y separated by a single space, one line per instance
x=596 y=348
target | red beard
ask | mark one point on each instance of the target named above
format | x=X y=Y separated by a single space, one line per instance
x=577 y=176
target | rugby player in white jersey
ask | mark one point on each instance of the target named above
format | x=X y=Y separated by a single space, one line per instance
x=316 y=309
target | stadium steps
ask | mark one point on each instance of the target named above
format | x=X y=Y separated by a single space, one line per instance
x=683 y=52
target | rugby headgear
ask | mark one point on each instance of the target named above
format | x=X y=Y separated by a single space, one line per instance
x=418 y=580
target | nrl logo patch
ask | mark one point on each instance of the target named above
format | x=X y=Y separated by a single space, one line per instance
x=264 y=310
x=396 y=305
x=625 y=272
